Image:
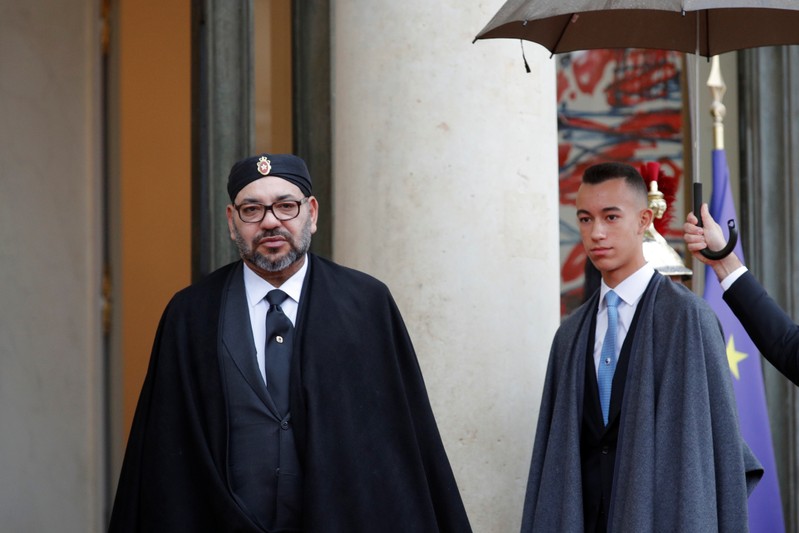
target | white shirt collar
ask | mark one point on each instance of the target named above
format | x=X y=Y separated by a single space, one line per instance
x=632 y=288
x=257 y=287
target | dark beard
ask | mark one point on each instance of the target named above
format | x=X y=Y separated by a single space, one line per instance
x=297 y=249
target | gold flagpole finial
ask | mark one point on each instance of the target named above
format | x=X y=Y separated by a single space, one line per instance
x=717 y=109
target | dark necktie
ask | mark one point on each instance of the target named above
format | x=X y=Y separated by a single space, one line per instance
x=607 y=361
x=279 y=333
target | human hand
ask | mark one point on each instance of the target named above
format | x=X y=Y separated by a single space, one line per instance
x=710 y=235
x=697 y=239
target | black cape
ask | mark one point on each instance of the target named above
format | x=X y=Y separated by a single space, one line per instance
x=370 y=449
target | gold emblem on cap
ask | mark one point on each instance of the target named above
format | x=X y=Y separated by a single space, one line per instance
x=264 y=165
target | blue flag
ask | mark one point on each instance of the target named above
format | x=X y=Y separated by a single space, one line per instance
x=765 y=508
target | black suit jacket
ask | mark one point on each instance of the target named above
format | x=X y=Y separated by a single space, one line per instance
x=597 y=441
x=264 y=472
x=774 y=333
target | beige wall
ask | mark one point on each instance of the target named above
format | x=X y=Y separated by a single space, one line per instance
x=273 y=84
x=152 y=206
x=51 y=448
x=445 y=187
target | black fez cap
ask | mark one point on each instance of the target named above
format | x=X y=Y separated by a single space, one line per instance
x=287 y=166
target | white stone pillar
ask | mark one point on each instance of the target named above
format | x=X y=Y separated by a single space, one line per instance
x=51 y=397
x=445 y=187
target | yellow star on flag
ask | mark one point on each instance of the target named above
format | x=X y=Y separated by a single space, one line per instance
x=734 y=357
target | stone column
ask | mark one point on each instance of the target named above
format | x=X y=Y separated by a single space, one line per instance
x=223 y=117
x=445 y=187
x=769 y=85
x=52 y=455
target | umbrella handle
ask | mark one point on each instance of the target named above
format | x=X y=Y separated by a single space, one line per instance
x=714 y=255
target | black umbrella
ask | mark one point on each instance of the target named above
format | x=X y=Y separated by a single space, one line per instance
x=701 y=27
x=705 y=27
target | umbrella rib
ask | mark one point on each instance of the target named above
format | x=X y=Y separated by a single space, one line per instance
x=562 y=33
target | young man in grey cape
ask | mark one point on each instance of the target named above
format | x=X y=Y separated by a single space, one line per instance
x=637 y=429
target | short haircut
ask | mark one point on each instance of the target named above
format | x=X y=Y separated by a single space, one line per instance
x=602 y=172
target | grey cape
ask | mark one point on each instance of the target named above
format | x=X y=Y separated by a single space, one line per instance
x=681 y=462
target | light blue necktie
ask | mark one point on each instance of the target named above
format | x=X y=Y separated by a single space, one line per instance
x=607 y=361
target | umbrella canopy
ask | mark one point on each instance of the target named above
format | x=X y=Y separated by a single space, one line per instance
x=707 y=27
x=704 y=27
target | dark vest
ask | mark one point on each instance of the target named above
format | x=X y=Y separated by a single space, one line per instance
x=263 y=466
x=598 y=442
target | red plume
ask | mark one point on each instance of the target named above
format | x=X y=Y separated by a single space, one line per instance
x=667 y=185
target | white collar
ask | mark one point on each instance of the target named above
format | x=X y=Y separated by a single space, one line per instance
x=257 y=287
x=632 y=288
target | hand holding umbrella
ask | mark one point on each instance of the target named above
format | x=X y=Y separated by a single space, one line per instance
x=701 y=235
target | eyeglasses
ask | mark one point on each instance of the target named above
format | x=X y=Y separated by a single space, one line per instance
x=255 y=212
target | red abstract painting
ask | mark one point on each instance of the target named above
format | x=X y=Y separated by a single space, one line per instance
x=616 y=105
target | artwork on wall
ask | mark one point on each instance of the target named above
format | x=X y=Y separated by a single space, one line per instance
x=616 y=105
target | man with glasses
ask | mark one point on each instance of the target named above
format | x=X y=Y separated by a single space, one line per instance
x=283 y=392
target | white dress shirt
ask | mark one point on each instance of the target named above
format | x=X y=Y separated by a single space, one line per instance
x=630 y=291
x=256 y=288
x=733 y=277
